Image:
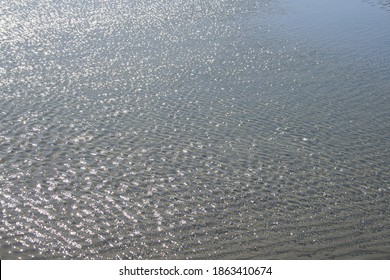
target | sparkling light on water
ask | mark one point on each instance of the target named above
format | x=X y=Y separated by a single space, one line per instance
x=187 y=129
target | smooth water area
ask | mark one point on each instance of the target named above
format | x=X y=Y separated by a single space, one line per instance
x=175 y=129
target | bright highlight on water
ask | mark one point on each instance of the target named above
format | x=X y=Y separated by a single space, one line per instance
x=172 y=129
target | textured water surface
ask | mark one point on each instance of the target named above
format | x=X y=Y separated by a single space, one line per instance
x=384 y=4
x=194 y=129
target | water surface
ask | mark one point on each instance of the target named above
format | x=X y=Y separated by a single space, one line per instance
x=194 y=129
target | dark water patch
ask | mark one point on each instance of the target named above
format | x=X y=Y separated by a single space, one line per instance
x=349 y=26
x=384 y=4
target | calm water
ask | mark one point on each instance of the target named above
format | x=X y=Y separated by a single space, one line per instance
x=194 y=129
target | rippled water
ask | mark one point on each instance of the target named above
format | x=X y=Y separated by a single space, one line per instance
x=194 y=129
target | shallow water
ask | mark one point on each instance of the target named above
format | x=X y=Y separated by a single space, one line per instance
x=194 y=129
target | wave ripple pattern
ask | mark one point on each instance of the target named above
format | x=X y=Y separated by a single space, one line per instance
x=186 y=129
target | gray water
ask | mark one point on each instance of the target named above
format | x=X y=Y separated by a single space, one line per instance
x=174 y=129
